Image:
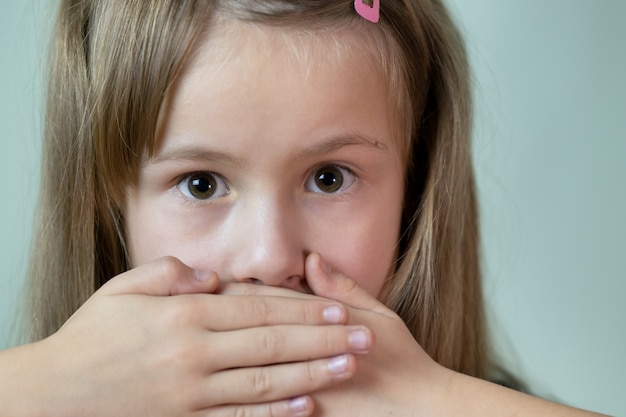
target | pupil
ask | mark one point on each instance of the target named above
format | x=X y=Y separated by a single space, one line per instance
x=329 y=179
x=202 y=186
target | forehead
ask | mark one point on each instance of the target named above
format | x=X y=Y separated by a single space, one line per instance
x=230 y=42
x=276 y=80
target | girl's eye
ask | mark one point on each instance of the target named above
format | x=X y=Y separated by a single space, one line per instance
x=203 y=186
x=330 y=179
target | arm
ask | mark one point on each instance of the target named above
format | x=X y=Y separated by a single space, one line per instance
x=399 y=379
x=474 y=397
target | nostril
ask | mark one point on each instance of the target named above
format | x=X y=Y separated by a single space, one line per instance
x=305 y=287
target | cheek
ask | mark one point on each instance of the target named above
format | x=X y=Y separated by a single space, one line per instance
x=364 y=248
x=372 y=260
x=357 y=238
x=156 y=226
x=152 y=233
x=155 y=234
x=146 y=236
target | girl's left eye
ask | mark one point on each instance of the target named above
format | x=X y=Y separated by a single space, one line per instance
x=330 y=179
x=203 y=186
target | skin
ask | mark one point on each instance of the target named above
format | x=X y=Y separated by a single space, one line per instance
x=186 y=332
x=155 y=341
x=264 y=123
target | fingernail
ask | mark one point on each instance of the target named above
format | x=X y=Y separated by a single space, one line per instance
x=338 y=365
x=333 y=314
x=298 y=405
x=202 y=275
x=359 y=340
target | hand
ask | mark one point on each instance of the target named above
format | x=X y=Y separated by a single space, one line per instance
x=156 y=341
x=397 y=376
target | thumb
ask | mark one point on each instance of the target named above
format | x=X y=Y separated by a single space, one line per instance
x=334 y=285
x=162 y=277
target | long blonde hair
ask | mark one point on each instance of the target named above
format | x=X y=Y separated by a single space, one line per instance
x=112 y=63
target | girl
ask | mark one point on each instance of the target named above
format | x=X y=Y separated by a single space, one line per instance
x=319 y=148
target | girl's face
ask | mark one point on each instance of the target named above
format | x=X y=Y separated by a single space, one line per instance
x=273 y=144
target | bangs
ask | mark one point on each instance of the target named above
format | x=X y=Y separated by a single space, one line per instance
x=135 y=52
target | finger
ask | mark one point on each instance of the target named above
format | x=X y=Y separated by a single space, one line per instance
x=285 y=344
x=162 y=277
x=238 y=288
x=224 y=313
x=336 y=286
x=275 y=382
x=295 y=407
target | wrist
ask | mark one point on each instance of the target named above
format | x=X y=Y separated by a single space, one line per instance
x=33 y=382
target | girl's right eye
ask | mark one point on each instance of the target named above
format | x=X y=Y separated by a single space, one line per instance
x=203 y=186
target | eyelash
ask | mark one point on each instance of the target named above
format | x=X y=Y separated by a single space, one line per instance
x=347 y=176
x=213 y=182
x=337 y=178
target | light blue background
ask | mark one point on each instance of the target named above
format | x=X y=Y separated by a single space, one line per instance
x=550 y=152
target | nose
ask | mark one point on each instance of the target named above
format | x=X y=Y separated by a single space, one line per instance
x=267 y=243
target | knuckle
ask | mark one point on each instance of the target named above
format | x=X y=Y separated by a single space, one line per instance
x=311 y=372
x=273 y=410
x=273 y=343
x=242 y=411
x=176 y=357
x=328 y=340
x=261 y=310
x=246 y=289
x=261 y=382
x=249 y=289
x=178 y=313
x=310 y=312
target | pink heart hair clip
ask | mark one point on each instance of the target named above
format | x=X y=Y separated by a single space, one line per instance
x=368 y=9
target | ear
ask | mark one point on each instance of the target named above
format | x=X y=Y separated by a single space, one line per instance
x=336 y=286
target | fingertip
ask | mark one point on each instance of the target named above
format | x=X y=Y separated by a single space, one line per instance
x=301 y=406
x=209 y=280
x=323 y=265
x=162 y=277
x=202 y=276
x=316 y=262
x=322 y=279
x=317 y=272
x=361 y=340
x=335 y=314
x=333 y=284
x=209 y=277
x=182 y=278
x=342 y=367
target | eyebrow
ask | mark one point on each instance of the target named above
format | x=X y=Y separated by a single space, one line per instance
x=200 y=154
x=191 y=153
x=340 y=141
